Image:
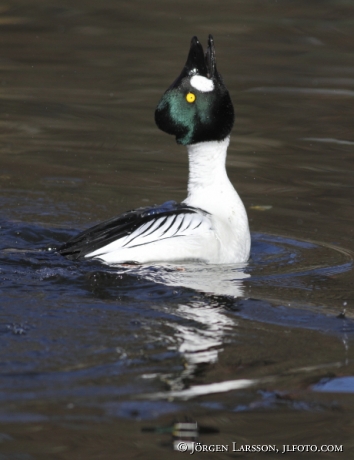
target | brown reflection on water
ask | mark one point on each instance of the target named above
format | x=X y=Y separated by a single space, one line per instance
x=79 y=84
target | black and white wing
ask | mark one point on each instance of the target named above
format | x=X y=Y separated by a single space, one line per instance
x=140 y=229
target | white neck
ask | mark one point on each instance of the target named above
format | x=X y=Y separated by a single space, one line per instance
x=206 y=164
x=208 y=182
x=210 y=189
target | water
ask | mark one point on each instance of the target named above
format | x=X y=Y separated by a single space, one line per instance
x=101 y=361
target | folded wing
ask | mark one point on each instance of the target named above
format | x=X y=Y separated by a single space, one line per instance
x=138 y=228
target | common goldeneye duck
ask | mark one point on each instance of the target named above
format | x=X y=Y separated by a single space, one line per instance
x=211 y=224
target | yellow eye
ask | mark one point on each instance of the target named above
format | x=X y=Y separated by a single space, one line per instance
x=190 y=97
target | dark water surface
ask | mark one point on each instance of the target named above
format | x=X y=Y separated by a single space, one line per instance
x=93 y=356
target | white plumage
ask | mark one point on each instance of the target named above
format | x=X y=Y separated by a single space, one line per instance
x=219 y=235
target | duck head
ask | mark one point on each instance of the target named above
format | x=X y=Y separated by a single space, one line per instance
x=197 y=106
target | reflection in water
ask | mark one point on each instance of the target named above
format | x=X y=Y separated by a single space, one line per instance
x=225 y=280
x=289 y=262
x=199 y=344
x=202 y=341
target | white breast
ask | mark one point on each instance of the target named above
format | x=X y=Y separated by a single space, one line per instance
x=219 y=235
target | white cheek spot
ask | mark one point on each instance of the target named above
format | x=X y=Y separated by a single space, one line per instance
x=202 y=84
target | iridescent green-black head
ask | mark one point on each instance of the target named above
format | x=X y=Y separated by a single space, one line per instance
x=197 y=106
